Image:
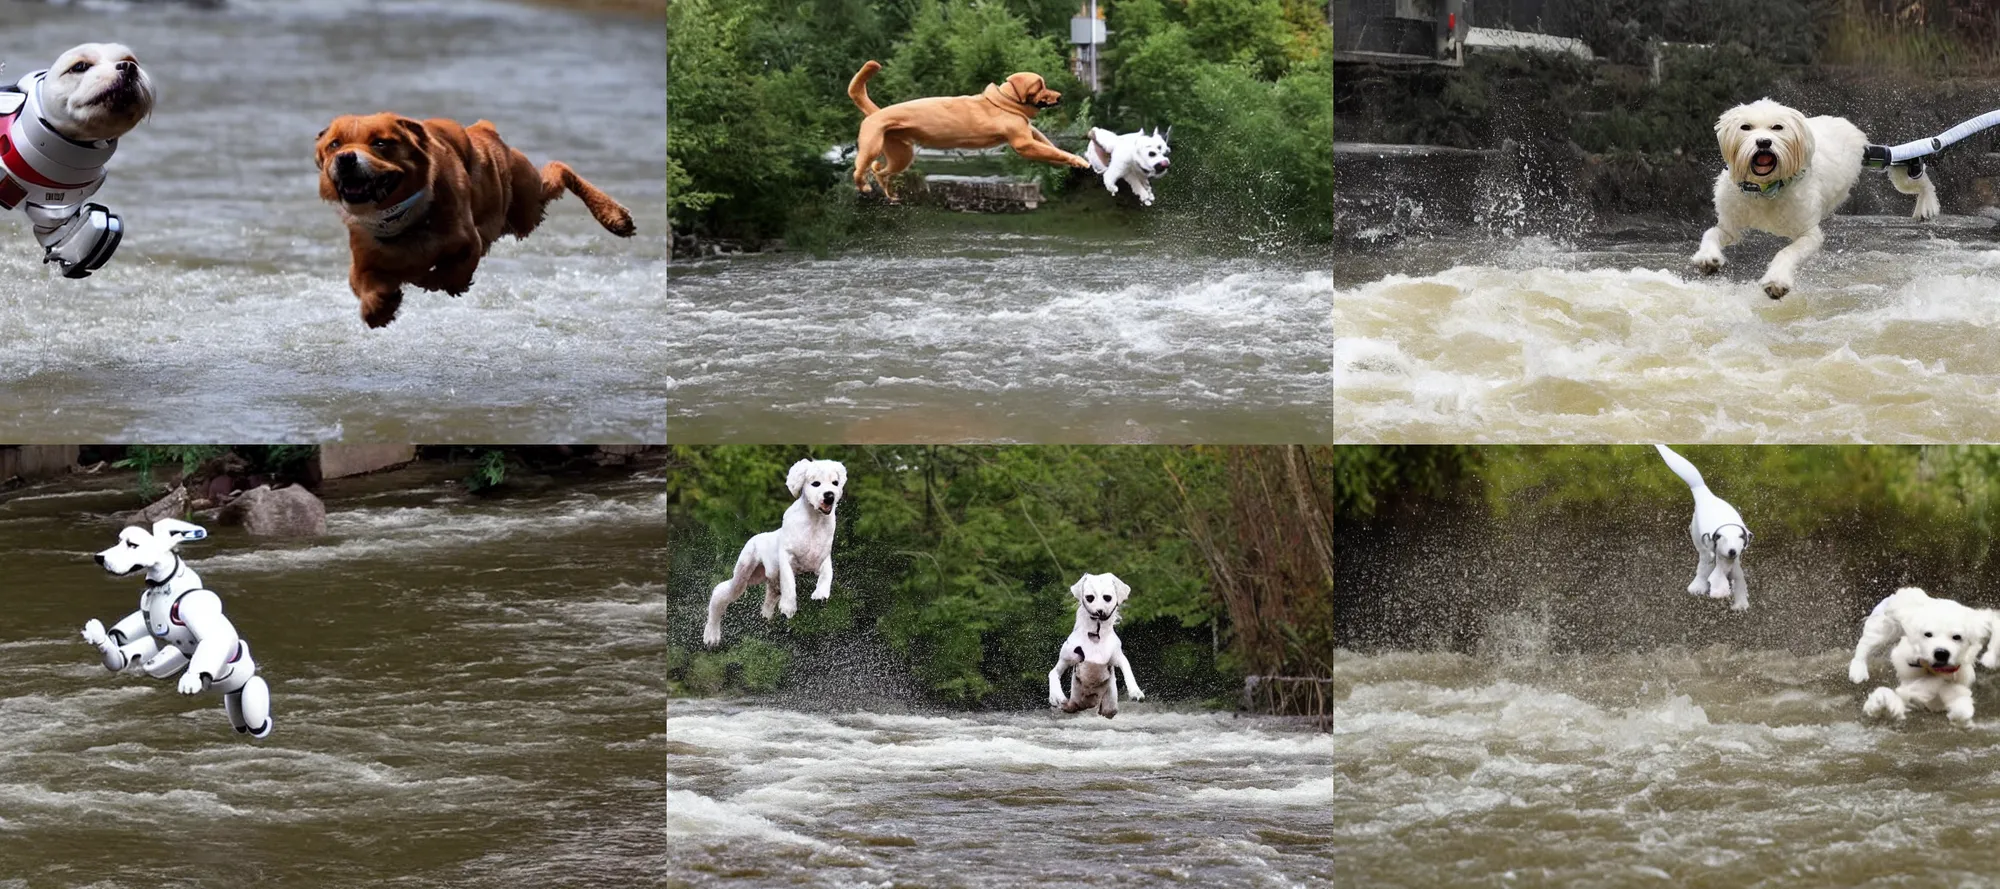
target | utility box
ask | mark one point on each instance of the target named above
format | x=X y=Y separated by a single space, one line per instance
x=1086 y=31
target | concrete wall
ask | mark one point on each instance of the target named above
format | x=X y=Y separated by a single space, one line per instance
x=36 y=461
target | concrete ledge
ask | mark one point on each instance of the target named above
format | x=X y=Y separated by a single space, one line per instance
x=341 y=461
x=36 y=461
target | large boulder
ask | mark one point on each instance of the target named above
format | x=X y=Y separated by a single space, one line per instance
x=291 y=511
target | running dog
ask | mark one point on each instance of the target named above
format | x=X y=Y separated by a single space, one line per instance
x=803 y=542
x=1133 y=158
x=1093 y=648
x=424 y=200
x=1000 y=115
x=1935 y=642
x=1786 y=174
x=1719 y=535
x=179 y=627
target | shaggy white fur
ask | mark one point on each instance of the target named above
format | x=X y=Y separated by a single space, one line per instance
x=1936 y=641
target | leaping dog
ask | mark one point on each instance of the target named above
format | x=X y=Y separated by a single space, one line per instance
x=1093 y=648
x=803 y=542
x=179 y=627
x=1719 y=535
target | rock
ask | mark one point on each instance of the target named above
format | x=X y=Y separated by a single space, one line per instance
x=291 y=511
x=171 y=506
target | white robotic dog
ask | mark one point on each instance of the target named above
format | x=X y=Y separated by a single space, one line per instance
x=1093 y=648
x=1133 y=158
x=58 y=128
x=179 y=627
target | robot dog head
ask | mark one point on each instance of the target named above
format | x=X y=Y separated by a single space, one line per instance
x=1729 y=542
x=818 y=482
x=370 y=160
x=96 y=92
x=1764 y=142
x=139 y=548
x=1028 y=88
x=1100 y=594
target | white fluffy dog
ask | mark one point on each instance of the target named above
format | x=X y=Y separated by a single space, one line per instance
x=1133 y=158
x=803 y=542
x=96 y=92
x=179 y=627
x=1092 y=641
x=1719 y=536
x=1936 y=641
x=1787 y=173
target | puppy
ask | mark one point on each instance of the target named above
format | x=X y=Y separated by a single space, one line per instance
x=424 y=200
x=1936 y=641
x=58 y=130
x=803 y=542
x=1093 y=642
x=1786 y=174
x=179 y=627
x=1134 y=158
x=1719 y=535
x=890 y=136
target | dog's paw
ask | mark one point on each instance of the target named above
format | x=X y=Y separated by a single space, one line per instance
x=1136 y=694
x=1698 y=588
x=1146 y=201
x=1739 y=606
x=1777 y=289
x=1057 y=701
x=1883 y=703
x=711 y=635
x=1926 y=208
x=1857 y=672
x=788 y=607
x=822 y=594
x=619 y=222
x=93 y=633
x=1960 y=714
x=770 y=608
x=1708 y=263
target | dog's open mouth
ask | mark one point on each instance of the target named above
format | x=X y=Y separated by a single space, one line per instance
x=1763 y=163
x=826 y=507
x=366 y=190
x=1946 y=669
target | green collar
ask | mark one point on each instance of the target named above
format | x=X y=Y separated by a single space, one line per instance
x=1769 y=188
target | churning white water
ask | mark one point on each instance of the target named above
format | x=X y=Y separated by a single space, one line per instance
x=1893 y=334
x=760 y=796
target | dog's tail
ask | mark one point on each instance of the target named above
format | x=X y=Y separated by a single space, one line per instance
x=557 y=176
x=857 y=89
x=1682 y=468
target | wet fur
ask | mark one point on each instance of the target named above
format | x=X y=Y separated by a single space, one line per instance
x=480 y=187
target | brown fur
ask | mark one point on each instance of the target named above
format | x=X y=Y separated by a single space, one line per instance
x=480 y=189
x=1000 y=115
x=1090 y=686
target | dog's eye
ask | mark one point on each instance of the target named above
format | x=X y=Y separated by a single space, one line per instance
x=815 y=484
x=1777 y=126
x=79 y=67
x=382 y=144
x=1746 y=128
x=130 y=545
x=1957 y=638
x=1927 y=634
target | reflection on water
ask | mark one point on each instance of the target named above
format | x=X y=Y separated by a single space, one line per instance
x=766 y=797
x=465 y=690
x=226 y=314
x=1888 y=337
x=1001 y=338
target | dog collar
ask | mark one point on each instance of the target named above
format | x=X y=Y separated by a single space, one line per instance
x=1767 y=189
x=150 y=585
x=394 y=219
x=38 y=164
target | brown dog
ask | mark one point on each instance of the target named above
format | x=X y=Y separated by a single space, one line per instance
x=1000 y=114
x=423 y=200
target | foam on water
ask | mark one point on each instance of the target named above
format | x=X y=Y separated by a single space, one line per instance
x=927 y=798
x=1648 y=766
x=1044 y=332
x=1889 y=336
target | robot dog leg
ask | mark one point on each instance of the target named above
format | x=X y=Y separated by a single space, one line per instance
x=126 y=643
x=245 y=697
x=79 y=240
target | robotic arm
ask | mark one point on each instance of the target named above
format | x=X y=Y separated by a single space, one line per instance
x=112 y=643
x=79 y=239
x=215 y=639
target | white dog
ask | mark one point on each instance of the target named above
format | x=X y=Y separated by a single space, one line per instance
x=1135 y=158
x=60 y=128
x=1786 y=174
x=803 y=542
x=1093 y=641
x=179 y=627
x=1719 y=535
x=1936 y=640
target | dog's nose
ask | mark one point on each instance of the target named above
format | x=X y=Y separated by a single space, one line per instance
x=128 y=68
x=99 y=558
x=1763 y=143
x=1941 y=656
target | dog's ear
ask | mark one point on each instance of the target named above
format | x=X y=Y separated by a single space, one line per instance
x=1076 y=589
x=1023 y=87
x=1708 y=539
x=1119 y=587
x=1747 y=535
x=795 y=480
x=1169 y=137
x=174 y=532
x=414 y=129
